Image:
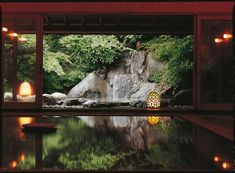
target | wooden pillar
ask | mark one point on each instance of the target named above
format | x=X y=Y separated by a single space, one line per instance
x=195 y=57
x=14 y=69
x=39 y=61
x=194 y=141
x=38 y=151
x=1 y=92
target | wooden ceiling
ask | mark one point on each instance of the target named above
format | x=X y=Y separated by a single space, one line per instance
x=90 y=23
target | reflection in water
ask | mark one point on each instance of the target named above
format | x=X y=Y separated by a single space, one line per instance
x=22 y=157
x=25 y=120
x=13 y=164
x=22 y=121
x=77 y=146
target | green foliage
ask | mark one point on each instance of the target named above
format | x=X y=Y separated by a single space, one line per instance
x=89 y=52
x=169 y=154
x=76 y=146
x=26 y=59
x=54 y=62
x=68 y=59
x=177 y=55
x=28 y=163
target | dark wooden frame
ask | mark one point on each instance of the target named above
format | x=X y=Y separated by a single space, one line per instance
x=38 y=66
x=200 y=105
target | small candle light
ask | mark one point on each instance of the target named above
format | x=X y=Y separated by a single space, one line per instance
x=13 y=34
x=13 y=164
x=219 y=40
x=4 y=29
x=225 y=165
x=22 y=157
x=216 y=159
x=227 y=36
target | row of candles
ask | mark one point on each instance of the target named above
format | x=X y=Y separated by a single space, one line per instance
x=225 y=37
x=13 y=34
x=219 y=161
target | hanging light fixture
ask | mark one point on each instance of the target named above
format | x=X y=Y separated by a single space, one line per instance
x=4 y=29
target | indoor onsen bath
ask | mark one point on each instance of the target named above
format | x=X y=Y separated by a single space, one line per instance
x=116 y=86
x=119 y=143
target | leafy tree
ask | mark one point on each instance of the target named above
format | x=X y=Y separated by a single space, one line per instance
x=177 y=55
x=26 y=58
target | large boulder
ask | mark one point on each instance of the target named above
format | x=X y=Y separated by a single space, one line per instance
x=122 y=84
x=92 y=86
x=54 y=98
x=133 y=132
x=143 y=91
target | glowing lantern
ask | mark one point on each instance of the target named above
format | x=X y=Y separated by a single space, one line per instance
x=4 y=29
x=153 y=120
x=216 y=159
x=22 y=157
x=25 y=89
x=13 y=164
x=22 y=39
x=219 y=40
x=225 y=165
x=227 y=36
x=13 y=34
x=153 y=100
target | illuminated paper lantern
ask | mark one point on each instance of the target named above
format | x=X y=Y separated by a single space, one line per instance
x=153 y=100
x=25 y=89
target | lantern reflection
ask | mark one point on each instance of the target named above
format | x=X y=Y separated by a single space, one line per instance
x=225 y=165
x=13 y=164
x=22 y=157
x=25 y=120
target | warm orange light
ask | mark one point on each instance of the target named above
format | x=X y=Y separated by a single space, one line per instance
x=219 y=40
x=13 y=34
x=227 y=36
x=225 y=165
x=13 y=164
x=22 y=157
x=25 y=120
x=4 y=29
x=153 y=120
x=25 y=89
x=216 y=159
x=22 y=39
